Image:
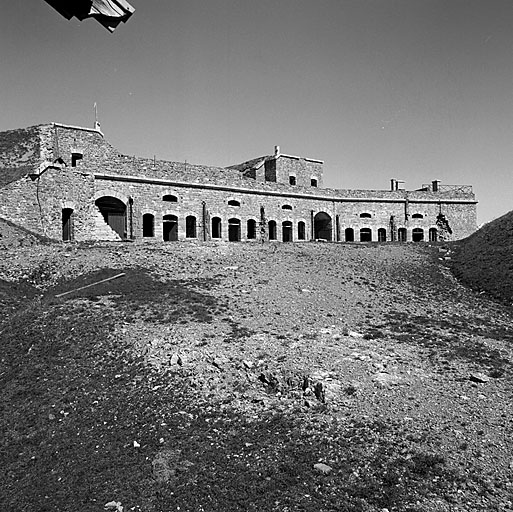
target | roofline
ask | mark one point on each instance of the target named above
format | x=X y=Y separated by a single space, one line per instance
x=314 y=160
x=298 y=195
x=71 y=127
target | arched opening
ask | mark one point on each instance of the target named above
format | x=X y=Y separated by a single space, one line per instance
x=148 y=225
x=313 y=182
x=67 y=224
x=286 y=231
x=232 y=202
x=433 y=235
x=417 y=216
x=190 y=226
x=401 y=235
x=272 y=230
x=286 y=207
x=170 y=228
x=216 y=227
x=382 y=235
x=301 y=230
x=365 y=215
x=365 y=235
x=114 y=213
x=251 y=229
x=417 y=235
x=322 y=227
x=234 y=230
x=349 y=234
x=292 y=180
x=170 y=198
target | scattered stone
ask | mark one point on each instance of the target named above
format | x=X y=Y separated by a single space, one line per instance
x=322 y=468
x=355 y=334
x=248 y=364
x=479 y=377
x=176 y=360
x=114 y=505
x=384 y=379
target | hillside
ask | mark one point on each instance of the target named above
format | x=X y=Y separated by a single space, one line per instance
x=484 y=260
x=247 y=377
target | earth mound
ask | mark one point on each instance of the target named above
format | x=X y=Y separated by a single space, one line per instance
x=484 y=260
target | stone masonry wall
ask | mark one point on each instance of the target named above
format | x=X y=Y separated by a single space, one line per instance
x=102 y=171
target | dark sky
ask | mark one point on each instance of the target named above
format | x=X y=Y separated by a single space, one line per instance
x=408 y=89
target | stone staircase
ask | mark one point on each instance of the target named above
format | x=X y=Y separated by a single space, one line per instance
x=102 y=231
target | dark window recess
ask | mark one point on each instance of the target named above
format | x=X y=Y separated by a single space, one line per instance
x=292 y=180
x=190 y=227
x=349 y=232
x=313 y=182
x=272 y=230
x=148 y=225
x=75 y=157
x=170 y=199
x=286 y=207
x=365 y=215
x=301 y=230
x=251 y=234
x=67 y=224
x=417 y=216
x=216 y=227
x=232 y=202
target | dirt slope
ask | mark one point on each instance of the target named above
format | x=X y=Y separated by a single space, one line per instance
x=219 y=376
x=485 y=259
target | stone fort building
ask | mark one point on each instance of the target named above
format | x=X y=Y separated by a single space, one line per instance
x=68 y=183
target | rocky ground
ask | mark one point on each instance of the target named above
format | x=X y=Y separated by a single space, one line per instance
x=224 y=377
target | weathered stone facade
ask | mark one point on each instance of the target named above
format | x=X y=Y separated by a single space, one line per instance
x=69 y=183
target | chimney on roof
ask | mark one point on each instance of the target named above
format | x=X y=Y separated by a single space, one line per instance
x=435 y=185
x=276 y=150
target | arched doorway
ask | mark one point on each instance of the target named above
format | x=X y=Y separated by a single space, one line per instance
x=365 y=235
x=301 y=230
x=382 y=235
x=322 y=227
x=417 y=235
x=349 y=232
x=114 y=213
x=67 y=224
x=170 y=228
x=401 y=234
x=286 y=230
x=216 y=227
x=433 y=234
x=234 y=230
x=251 y=229
x=272 y=230
x=148 y=225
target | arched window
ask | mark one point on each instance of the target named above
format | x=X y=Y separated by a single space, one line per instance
x=365 y=235
x=170 y=228
x=232 y=202
x=190 y=227
x=433 y=235
x=301 y=230
x=382 y=235
x=401 y=235
x=251 y=232
x=365 y=215
x=417 y=235
x=417 y=216
x=148 y=225
x=292 y=180
x=286 y=231
x=349 y=232
x=216 y=227
x=272 y=230
x=234 y=230
x=170 y=198
x=286 y=207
